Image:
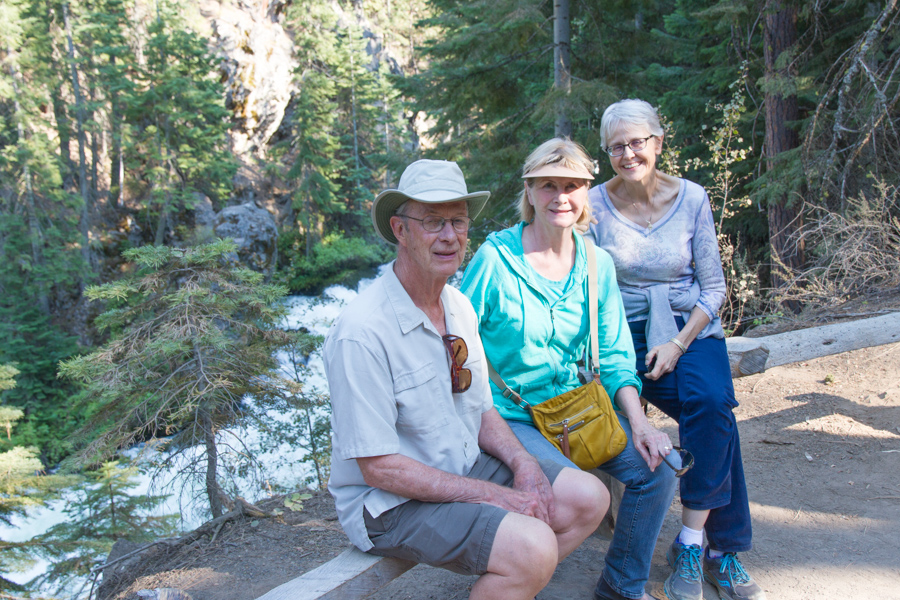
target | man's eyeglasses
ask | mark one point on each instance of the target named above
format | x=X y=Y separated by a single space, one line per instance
x=635 y=145
x=434 y=224
x=687 y=461
x=460 y=377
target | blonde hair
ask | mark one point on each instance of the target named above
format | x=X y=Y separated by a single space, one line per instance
x=637 y=113
x=557 y=150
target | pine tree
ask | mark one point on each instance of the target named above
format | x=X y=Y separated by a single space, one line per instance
x=23 y=485
x=195 y=335
x=176 y=145
x=99 y=512
x=310 y=430
x=40 y=260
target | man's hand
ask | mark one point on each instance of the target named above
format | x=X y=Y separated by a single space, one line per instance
x=518 y=501
x=529 y=478
x=497 y=439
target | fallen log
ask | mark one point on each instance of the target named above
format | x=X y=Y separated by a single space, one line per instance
x=749 y=356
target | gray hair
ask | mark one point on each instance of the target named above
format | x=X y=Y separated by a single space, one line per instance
x=636 y=113
x=557 y=150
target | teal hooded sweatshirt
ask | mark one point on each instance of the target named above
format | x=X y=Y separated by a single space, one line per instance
x=536 y=343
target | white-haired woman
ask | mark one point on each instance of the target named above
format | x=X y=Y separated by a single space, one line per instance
x=660 y=232
x=528 y=285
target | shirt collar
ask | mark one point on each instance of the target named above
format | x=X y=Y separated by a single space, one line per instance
x=409 y=316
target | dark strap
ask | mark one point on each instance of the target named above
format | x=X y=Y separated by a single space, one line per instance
x=507 y=391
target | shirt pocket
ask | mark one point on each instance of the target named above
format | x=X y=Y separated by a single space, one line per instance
x=421 y=408
x=472 y=400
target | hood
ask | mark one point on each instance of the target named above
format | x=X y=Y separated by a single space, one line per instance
x=509 y=246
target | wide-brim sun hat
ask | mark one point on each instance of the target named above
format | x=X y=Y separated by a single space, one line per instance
x=429 y=182
x=557 y=170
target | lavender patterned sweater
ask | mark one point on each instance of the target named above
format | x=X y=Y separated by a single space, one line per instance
x=666 y=269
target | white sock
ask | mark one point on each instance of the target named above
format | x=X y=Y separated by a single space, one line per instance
x=690 y=537
x=714 y=553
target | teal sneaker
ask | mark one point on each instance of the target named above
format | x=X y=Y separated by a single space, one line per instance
x=728 y=575
x=685 y=582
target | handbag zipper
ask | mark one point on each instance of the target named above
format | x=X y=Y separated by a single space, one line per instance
x=563 y=438
x=572 y=418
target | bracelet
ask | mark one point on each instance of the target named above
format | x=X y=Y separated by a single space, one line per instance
x=678 y=343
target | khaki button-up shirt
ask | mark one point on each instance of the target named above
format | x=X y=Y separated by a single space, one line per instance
x=389 y=376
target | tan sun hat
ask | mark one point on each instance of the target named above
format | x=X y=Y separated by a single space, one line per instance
x=429 y=182
x=557 y=170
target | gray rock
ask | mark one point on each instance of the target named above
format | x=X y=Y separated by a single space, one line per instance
x=254 y=231
x=204 y=213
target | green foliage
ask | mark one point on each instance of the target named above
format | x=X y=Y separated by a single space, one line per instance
x=344 y=117
x=8 y=379
x=99 y=512
x=23 y=485
x=196 y=335
x=309 y=427
x=176 y=143
x=336 y=259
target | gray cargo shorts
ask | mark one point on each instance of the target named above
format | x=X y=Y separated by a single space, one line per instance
x=456 y=536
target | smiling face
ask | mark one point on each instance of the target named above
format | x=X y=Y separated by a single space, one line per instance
x=557 y=201
x=634 y=166
x=435 y=255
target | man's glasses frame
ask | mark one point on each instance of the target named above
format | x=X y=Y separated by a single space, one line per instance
x=460 y=377
x=433 y=224
x=687 y=461
x=636 y=146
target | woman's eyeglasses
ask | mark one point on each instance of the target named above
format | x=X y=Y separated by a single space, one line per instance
x=459 y=353
x=687 y=461
x=635 y=145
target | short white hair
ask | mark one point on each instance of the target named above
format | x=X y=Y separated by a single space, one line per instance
x=636 y=113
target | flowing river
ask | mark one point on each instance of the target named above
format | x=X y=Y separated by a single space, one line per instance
x=279 y=466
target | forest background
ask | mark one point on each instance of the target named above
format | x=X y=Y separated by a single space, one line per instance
x=123 y=122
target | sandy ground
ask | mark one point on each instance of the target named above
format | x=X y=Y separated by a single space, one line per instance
x=821 y=447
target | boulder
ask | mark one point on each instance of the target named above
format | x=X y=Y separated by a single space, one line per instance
x=254 y=231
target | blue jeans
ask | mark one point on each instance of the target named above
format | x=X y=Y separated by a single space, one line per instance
x=648 y=495
x=699 y=395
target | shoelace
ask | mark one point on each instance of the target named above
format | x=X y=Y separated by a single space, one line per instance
x=735 y=569
x=690 y=567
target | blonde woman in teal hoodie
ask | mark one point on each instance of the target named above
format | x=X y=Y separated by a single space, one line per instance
x=528 y=285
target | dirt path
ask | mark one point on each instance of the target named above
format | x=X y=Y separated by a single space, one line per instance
x=821 y=447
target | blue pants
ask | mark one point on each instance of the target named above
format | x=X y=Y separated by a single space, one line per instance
x=699 y=395
x=648 y=495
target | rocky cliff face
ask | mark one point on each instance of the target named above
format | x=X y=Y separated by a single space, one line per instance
x=258 y=67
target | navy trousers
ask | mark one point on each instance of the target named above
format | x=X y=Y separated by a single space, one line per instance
x=699 y=395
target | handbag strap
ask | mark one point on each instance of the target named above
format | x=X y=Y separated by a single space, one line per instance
x=507 y=391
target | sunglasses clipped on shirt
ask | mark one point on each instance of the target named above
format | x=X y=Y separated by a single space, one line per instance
x=460 y=378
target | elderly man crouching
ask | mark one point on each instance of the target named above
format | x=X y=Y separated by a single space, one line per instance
x=423 y=466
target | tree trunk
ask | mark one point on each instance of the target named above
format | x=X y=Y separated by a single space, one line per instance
x=63 y=125
x=561 y=70
x=117 y=164
x=780 y=34
x=34 y=230
x=82 y=141
x=95 y=137
x=212 y=464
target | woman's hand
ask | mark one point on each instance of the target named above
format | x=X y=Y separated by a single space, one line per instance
x=651 y=443
x=661 y=360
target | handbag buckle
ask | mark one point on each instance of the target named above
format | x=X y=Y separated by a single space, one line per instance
x=512 y=395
